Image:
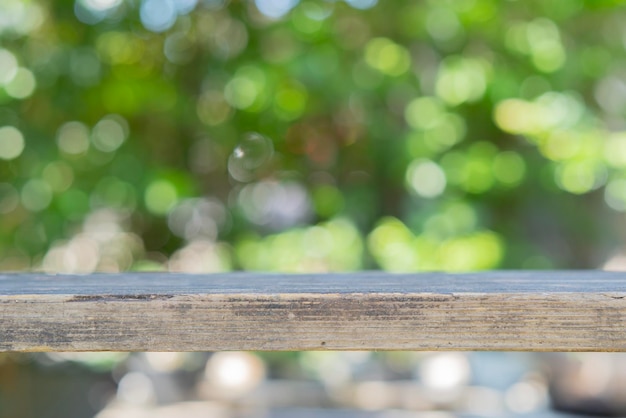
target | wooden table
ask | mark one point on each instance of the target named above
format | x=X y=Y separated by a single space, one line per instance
x=501 y=310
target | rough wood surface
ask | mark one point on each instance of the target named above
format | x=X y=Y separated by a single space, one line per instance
x=534 y=311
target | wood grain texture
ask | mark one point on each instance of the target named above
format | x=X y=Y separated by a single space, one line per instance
x=532 y=311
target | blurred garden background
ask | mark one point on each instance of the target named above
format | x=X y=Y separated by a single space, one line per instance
x=309 y=136
x=203 y=135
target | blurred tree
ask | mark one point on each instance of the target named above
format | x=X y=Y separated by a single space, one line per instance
x=207 y=135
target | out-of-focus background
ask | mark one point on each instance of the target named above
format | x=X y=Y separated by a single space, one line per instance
x=310 y=135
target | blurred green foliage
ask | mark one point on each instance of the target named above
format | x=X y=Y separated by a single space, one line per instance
x=313 y=135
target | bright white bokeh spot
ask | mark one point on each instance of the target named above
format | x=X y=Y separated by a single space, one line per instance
x=136 y=388
x=8 y=66
x=236 y=372
x=79 y=256
x=200 y=256
x=103 y=225
x=11 y=143
x=275 y=8
x=426 y=178
x=445 y=371
x=158 y=15
x=526 y=397
x=22 y=84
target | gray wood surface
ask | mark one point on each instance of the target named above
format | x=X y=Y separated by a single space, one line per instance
x=505 y=310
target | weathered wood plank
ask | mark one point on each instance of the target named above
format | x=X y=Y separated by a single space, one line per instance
x=533 y=311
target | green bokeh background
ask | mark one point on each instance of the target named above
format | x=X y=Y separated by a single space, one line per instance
x=402 y=135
